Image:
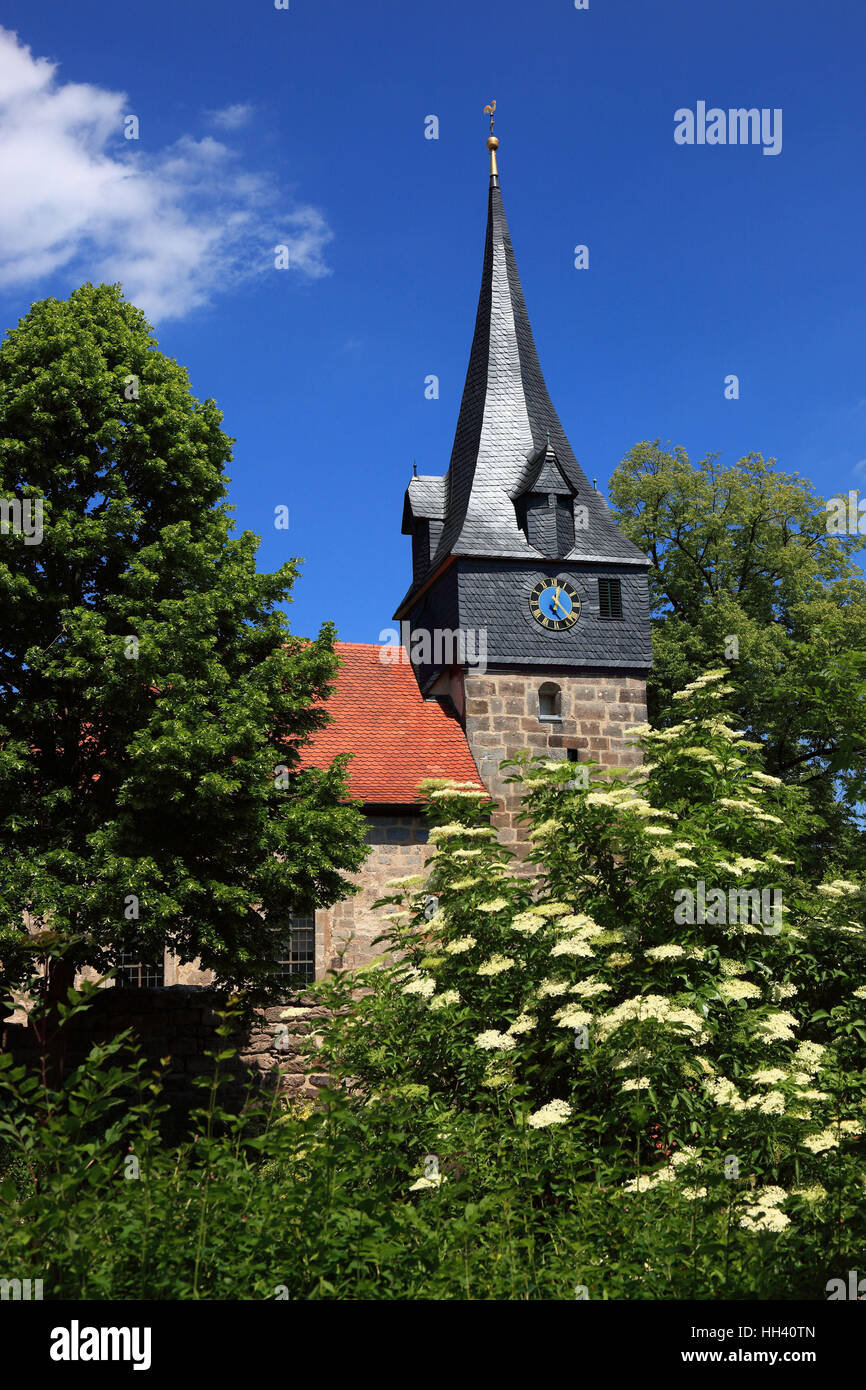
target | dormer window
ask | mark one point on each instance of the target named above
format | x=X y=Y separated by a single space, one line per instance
x=545 y=508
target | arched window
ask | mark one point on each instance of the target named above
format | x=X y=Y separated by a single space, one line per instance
x=549 y=701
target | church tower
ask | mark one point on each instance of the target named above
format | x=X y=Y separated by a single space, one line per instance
x=528 y=607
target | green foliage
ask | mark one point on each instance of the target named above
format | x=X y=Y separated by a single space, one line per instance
x=744 y=552
x=562 y=1080
x=149 y=686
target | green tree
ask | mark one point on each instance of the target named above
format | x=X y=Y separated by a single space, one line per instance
x=744 y=570
x=152 y=700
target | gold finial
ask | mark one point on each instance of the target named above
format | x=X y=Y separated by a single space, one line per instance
x=492 y=142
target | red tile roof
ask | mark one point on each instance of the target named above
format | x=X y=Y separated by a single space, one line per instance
x=397 y=737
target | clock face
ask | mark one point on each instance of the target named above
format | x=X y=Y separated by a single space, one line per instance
x=555 y=604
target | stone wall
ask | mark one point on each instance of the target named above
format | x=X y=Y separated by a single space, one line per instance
x=179 y=1023
x=346 y=932
x=502 y=718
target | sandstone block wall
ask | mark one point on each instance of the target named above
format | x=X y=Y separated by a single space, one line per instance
x=346 y=931
x=179 y=1023
x=502 y=718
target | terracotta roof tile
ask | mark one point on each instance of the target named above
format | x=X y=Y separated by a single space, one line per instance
x=397 y=737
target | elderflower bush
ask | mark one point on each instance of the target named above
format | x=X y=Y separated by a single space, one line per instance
x=587 y=1007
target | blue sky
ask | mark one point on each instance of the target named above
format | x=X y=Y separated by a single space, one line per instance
x=305 y=127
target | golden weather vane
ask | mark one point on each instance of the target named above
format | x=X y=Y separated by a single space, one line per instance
x=492 y=142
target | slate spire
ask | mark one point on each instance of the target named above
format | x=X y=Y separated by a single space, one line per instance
x=507 y=425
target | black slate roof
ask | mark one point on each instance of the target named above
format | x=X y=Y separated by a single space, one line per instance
x=506 y=420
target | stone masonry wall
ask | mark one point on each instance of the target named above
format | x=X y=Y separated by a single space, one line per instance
x=179 y=1023
x=502 y=718
x=347 y=930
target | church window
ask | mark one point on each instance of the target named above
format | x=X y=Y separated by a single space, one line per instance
x=133 y=973
x=609 y=598
x=549 y=701
x=296 y=953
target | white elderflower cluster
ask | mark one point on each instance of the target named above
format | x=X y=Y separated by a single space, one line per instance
x=496 y=965
x=762 y=1213
x=571 y=1016
x=776 y=1027
x=476 y=794
x=555 y=1112
x=462 y=884
x=821 y=1143
x=550 y=988
x=547 y=827
x=636 y=1083
x=691 y=1021
x=423 y=1184
x=840 y=888
x=860 y=993
x=773 y=1103
x=494 y=905
x=524 y=1023
x=410 y=881
x=642 y=1008
x=587 y=989
x=813 y=1193
x=528 y=923
x=758 y=1221
x=769 y=1076
x=640 y=1184
x=659 y=830
x=446 y=998
x=450 y=832
x=619 y=958
x=739 y=989
x=579 y=922
x=782 y=989
x=724 y=1092
x=459 y=945
x=668 y=952
x=573 y=946
x=494 y=1041
x=601 y=799
x=775 y=859
x=423 y=987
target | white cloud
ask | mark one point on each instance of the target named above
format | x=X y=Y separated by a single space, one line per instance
x=174 y=226
x=231 y=117
x=860 y=467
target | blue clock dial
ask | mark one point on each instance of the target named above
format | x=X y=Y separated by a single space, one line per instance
x=555 y=604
